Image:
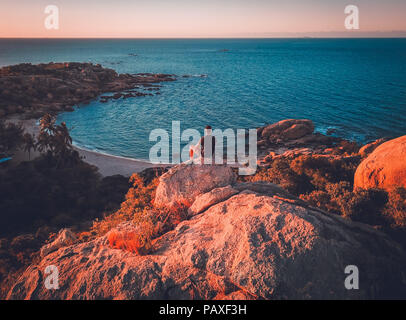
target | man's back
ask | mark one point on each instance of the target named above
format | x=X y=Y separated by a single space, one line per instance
x=213 y=145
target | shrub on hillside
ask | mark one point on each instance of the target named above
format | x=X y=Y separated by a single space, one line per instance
x=306 y=174
x=11 y=137
x=280 y=172
x=138 y=209
x=363 y=205
x=148 y=224
x=322 y=171
x=332 y=198
x=58 y=188
x=138 y=197
x=366 y=206
x=395 y=209
x=34 y=195
x=327 y=183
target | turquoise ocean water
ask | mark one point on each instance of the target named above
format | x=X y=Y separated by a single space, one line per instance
x=356 y=86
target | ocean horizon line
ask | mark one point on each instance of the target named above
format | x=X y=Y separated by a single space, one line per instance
x=364 y=36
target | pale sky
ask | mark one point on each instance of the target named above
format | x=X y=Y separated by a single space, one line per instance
x=197 y=18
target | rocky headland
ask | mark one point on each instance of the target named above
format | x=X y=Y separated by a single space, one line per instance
x=32 y=90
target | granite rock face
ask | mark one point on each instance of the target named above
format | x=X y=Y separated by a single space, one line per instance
x=257 y=244
x=64 y=238
x=183 y=183
x=211 y=198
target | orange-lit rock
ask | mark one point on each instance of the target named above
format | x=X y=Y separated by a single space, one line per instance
x=65 y=238
x=211 y=198
x=183 y=183
x=250 y=246
x=384 y=168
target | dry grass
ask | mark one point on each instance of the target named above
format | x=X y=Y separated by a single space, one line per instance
x=130 y=241
x=138 y=198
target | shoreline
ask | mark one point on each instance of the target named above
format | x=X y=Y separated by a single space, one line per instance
x=107 y=164
x=87 y=82
x=110 y=165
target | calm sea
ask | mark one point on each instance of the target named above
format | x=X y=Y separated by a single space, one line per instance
x=356 y=86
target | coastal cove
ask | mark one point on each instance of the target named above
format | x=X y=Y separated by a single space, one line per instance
x=353 y=87
x=30 y=91
x=108 y=165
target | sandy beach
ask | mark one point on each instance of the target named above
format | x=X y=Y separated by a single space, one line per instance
x=111 y=165
x=108 y=165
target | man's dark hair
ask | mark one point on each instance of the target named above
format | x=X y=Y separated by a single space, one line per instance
x=208 y=127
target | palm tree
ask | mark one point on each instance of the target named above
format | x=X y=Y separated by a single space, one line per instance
x=29 y=143
x=46 y=133
x=63 y=132
x=47 y=123
x=56 y=140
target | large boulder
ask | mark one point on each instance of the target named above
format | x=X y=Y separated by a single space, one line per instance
x=289 y=129
x=384 y=168
x=65 y=237
x=211 y=198
x=183 y=183
x=250 y=246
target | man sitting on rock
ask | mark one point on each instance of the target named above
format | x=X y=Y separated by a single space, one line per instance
x=205 y=148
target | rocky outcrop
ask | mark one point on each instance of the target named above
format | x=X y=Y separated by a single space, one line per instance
x=384 y=168
x=211 y=198
x=370 y=147
x=55 y=87
x=287 y=130
x=269 y=189
x=258 y=244
x=182 y=184
x=64 y=238
x=292 y=138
